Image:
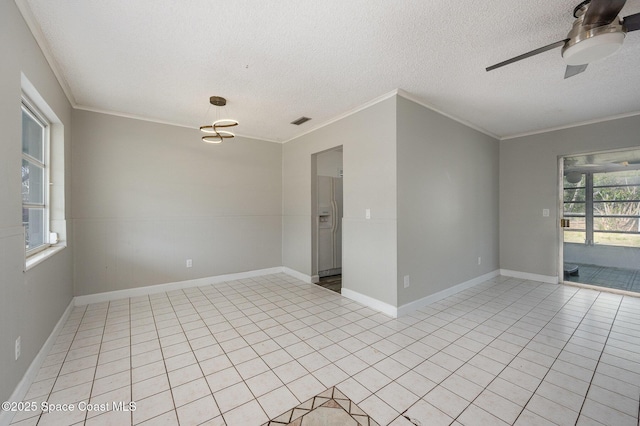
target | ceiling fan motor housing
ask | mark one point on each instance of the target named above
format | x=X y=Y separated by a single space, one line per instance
x=588 y=43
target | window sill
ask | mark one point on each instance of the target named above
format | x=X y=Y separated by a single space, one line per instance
x=40 y=257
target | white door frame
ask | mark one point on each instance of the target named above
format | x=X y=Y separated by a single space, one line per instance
x=559 y=217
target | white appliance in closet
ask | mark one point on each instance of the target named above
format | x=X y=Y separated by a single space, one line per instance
x=329 y=226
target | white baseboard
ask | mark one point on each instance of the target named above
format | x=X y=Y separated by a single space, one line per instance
x=432 y=298
x=372 y=303
x=407 y=308
x=299 y=275
x=161 y=288
x=528 y=276
x=23 y=387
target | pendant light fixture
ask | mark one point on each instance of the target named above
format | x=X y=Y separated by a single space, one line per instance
x=214 y=132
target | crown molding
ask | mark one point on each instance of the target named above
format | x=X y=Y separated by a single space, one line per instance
x=404 y=94
x=570 y=126
x=420 y=102
x=40 y=39
x=153 y=120
x=38 y=35
x=345 y=114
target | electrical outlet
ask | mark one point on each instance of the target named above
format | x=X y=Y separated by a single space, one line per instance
x=407 y=281
x=18 y=347
x=189 y=263
x=479 y=260
x=545 y=212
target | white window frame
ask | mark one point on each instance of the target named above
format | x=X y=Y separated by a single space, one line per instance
x=589 y=213
x=37 y=115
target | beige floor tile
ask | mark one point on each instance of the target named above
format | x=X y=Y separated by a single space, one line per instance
x=473 y=415
x=250 y=413
x=65 y=381
x=286 y=342
x=305 y=387
x=110 y=418
x=153 y=406
x=378 y=410
x=277 y=401
x=189 y=392
x=222 y=379
x=427 y=414
x=263 y=383
x=170 y=418
x=198 y=411
x=372 y=379
x=551 y=410
x=397 y=397
x=446 y=401
x=498 y=406
x=146 y=388
x=233 y=396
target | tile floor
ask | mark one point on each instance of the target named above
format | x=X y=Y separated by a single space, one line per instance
x=617 y=278
x=507 y=351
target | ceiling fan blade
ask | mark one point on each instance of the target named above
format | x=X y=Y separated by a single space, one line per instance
x=602 y=12
x=528 y=54
x=574 y=70
x=632 y=22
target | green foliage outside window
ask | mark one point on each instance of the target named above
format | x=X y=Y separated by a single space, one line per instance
x=616 y=208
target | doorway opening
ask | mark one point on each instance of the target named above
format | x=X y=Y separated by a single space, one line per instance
x=600 y=226
x=327 y=212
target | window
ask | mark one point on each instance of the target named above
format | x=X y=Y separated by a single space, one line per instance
x=604 y=208
x=35 y=178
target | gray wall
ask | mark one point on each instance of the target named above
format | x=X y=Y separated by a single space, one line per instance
x=529 y=183
x=31 y=303
x=148 y=196
x=447 y=202
x=369 y=161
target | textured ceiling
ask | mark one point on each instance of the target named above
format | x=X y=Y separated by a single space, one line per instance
x=276 y=61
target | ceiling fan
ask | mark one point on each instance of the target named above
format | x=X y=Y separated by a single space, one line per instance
x=597 y=32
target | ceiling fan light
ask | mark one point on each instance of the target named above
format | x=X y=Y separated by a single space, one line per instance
x=574 y=177
x=593 y=48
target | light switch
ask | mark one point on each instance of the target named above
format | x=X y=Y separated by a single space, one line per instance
x=545 y=212
x=367 y=213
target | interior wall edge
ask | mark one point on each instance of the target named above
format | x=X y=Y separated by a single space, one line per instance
x=299 y=275
x=407 y=308
x=371 y=302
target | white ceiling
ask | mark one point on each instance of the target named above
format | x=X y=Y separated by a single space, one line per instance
x=278 y=60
